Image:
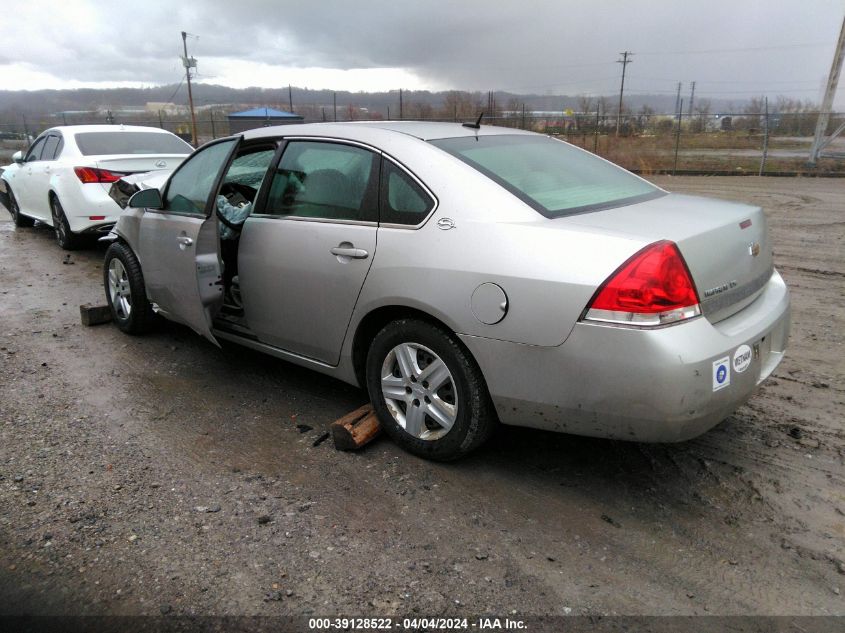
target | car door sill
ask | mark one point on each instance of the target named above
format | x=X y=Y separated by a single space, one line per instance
x=250 y=340
x=234 y=330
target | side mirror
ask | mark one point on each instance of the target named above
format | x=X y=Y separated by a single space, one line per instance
x=18 y=157
x=146 y=199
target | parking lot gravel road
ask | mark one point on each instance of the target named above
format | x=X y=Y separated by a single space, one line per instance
x=163 y=476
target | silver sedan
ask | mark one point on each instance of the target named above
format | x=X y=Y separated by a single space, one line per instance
x=464 y=275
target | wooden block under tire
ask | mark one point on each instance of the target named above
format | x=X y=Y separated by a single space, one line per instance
x=94 y=315
x=355 y=429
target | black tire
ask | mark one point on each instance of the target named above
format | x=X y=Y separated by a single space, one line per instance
x=65 y=238
x=475 y=418
x=20 y=220
x=140 y=316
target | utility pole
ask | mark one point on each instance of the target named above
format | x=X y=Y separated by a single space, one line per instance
x=678 y=136
x=188 y=63
x=401 y=112
x=624 y=61
x=334 y=104
x=290 y=99
x=765 y=142
x=691 y=97
x=678 y=98
x=819 y=142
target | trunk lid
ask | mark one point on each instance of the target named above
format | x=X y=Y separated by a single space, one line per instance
x=137 y=163
x=726 y=245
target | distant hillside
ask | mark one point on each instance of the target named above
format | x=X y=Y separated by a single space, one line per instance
x=41 y=103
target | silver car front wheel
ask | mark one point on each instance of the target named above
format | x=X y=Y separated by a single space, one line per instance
x=123 y=283
x=120 y=293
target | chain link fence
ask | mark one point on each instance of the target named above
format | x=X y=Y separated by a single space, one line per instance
x=727 y=143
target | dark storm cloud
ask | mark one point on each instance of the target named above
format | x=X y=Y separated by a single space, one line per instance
x=542 y=46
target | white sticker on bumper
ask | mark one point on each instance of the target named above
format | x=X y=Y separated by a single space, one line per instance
x=742 y=358
x=721 y=373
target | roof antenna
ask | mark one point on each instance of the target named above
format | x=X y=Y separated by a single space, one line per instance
x=477 y=124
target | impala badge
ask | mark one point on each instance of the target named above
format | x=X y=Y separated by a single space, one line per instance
x=445 y=224
x=753 y=249
x=161 y=163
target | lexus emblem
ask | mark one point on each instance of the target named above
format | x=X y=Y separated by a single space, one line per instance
x=161 y=163
x=445 y=224
x=754 y=249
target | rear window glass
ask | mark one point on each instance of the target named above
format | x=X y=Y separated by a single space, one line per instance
x=99 y=143
x=553 y=177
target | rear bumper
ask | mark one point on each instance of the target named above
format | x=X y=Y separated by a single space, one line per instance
x=99 y=229
x=80 y=203
x=655 y=385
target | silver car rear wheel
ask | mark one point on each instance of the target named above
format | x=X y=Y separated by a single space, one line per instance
x=419 y=391
x=427 y=390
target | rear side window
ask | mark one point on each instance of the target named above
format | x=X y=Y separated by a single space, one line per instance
x=325 y=180
x=50 y=146
x=402 y=200
x=100 y=143
x=553 y=177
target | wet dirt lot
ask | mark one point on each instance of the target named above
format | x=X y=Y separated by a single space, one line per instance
x=161 y=475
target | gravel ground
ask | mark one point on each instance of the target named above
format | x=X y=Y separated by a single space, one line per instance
x=161 y=475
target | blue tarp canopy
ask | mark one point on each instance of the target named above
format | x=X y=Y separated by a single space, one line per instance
x=267 y=113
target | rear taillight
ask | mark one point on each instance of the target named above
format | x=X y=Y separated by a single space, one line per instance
x=92 y=174
x=654 y=287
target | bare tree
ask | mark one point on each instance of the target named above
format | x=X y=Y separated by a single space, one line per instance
x=585 y=103
x=461 y=105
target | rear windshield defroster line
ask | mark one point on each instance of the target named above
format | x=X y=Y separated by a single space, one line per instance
x=554 y=178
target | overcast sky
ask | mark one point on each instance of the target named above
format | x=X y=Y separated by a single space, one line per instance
x=732 y=49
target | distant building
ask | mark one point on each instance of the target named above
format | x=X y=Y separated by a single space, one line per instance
x=171 y=109
x=260 y=117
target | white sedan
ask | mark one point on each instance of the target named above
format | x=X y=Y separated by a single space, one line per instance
x=64 y=178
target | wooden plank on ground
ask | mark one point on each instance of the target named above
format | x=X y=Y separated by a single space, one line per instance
x=355 y=429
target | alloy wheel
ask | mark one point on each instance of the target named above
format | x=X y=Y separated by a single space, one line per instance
x=119 y=291
x=59 y=225
x=419 y=391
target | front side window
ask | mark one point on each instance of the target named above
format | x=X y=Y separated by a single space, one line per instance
x=402 y=200
x=553 y=177
x=34 y=152
x=190 y=187
x=100 y=143
x=324 y=180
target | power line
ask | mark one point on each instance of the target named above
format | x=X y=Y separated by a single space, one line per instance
x=170 y=99
x=756 y=91
x=739 y=50
x=735 y=81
